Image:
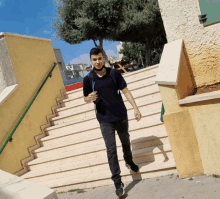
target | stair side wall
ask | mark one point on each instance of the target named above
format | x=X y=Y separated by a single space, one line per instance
x=32 y=59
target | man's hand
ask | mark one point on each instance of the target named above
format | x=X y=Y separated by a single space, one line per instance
x=137 y=114
x=92 y=96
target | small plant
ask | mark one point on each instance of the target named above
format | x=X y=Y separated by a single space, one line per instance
x=77 y=190
x=60 y=192
x=216 y=176
x=190 y=179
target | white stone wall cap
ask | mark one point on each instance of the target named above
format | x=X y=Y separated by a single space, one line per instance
x=200 y=97
x=19 y=35
x=7 y=92
x=168 y=70
x=15 y=187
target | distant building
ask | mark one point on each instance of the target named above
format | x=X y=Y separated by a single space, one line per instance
x=72 y=67
x=77 y=70
x=61 y=64
x=83 y=65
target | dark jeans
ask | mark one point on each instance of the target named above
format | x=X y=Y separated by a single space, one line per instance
x=108 y=133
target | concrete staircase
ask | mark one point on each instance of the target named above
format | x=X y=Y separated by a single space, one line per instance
x=74 y=156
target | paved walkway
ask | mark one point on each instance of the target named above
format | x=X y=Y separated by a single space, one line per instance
x=166 y=187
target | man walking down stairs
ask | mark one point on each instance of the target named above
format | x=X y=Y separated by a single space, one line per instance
x=73 y=155
x=111 y=113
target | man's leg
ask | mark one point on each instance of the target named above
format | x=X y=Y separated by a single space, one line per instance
x=122 y=130
x=108 y=133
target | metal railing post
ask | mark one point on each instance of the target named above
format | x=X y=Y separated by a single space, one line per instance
x=162 y=113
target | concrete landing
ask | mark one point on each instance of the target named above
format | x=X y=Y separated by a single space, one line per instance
x=166 y=187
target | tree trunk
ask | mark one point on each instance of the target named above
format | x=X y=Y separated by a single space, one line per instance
x=103 y=52
x=148 y=53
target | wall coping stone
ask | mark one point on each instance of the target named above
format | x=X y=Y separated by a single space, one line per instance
x=200 y=97
x=15 y=187
x=7 y=92
x=2 y=34
x=168 y=71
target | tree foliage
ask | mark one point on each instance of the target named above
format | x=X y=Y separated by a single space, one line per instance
x=136 y=51
x=117 y=20
x=81 y=20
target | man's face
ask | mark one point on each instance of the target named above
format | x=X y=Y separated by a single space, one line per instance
x=97 y=60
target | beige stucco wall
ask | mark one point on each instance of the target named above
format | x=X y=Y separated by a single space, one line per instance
x=32 y=59
x=181 y=21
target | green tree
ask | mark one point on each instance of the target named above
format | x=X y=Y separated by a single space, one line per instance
x=136 y=51
x=81 y=20
x=118 y=20
x=142 y=24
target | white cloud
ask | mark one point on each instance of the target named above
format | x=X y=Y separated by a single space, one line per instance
x=47 y=32
x=86 y=57
x=82 y=58
x=111 y=53
x=1 y=3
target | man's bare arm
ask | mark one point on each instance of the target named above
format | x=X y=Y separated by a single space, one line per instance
x=91 y=97
x=129 y=97
x=87 y=100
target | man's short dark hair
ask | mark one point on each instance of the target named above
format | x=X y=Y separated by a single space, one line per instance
x=95 y=51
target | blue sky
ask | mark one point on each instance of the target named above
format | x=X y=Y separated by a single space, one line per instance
x=33 y=18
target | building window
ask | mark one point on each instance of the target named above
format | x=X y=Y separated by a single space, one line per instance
x=212 y=9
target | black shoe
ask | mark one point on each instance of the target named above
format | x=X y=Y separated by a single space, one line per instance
x=120 y=190
x=133 y=167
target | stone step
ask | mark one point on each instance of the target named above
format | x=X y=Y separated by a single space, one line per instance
x=137 y=149
x=152 y=131
x=133 y=124
x=129 y=77
x=85 y=147
x=153 y=164
x=147 y=159
x=91 y=123
x=140 y=73
x=139 y=90
x=132 y=84
x=77 y=155
x=78 y=132
x=86 y=164
x=143 y=106
x=83 y=106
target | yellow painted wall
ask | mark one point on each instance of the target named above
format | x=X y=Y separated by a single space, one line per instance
x=181 y=134
x=184 y=145
x=205 y=117
x=32 y=59
x=194 y=133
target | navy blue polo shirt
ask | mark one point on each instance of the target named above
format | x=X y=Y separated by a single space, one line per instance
x=111 y=106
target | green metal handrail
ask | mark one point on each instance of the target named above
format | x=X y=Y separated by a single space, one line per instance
x=162 y=113
x=10 y=136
